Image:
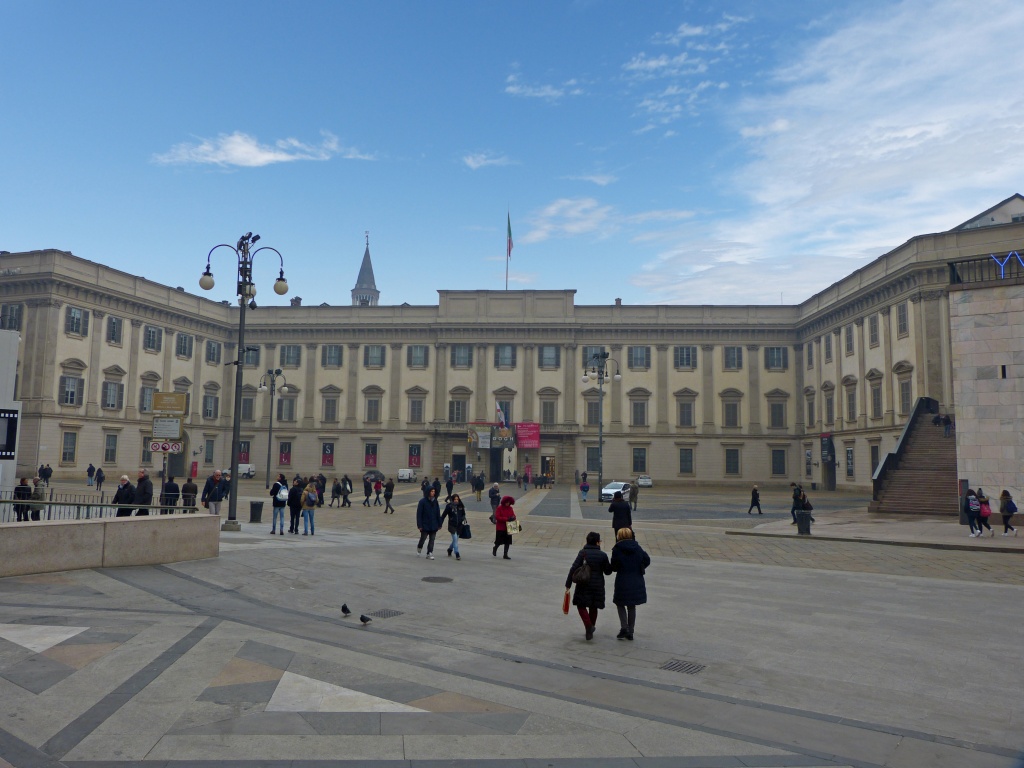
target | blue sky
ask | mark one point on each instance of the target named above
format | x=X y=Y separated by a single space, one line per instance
x=657 y=152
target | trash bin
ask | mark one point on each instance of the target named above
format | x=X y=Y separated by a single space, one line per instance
x=255 y=511
x=803 y=522
x=814 y=486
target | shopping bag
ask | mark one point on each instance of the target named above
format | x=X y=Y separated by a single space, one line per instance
x=512 y=526
x=565 y=602
x=465 y=532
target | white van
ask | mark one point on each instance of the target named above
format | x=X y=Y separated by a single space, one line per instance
x=407 y=475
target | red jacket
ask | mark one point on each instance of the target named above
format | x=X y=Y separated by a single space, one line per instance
x=504 y=513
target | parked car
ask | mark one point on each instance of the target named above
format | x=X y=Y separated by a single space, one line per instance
x=407 y=475
x=608 y=492
x=373 y=475
x=645 y=481
x=244 y=470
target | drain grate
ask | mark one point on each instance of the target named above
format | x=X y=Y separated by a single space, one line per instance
x=436 y=579
x=685 y=667
x=384 y=613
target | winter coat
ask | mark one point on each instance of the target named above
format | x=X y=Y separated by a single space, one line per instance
x=629 y=561
x=336 y=491
x=125 y=496
x=295 y=499
x=307 y=502
x=389 y=489
x=277 y=486
x=428 y=515
x=189 y=491
x=495 y=496
x=214 y=490
x=144 y=492
x=22 y=492
x=590 y=594
x=169 y=495
x=622 y=515
x=367 y=489
x=455 y=512
x=504 y=513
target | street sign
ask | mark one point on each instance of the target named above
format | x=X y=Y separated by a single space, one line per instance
x=167 y=428
x=170 y=403
x=165 y=446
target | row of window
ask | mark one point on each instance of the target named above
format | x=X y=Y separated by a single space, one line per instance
x=902 y=329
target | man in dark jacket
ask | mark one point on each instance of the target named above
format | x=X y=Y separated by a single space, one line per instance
x=22 y=492
x=428 y=520
x=622 y=516
x=169 y=496
x=189 y=491
x=295 y=505
x=798 y=494
x=124 y=496
x=215 y=491
x=448 y=486
x=143 y=493
x=367 y=491
x=389 y=492
x=436 y=485
x=346 y=491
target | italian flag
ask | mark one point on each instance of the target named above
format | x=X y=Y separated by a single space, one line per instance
x=509 y=255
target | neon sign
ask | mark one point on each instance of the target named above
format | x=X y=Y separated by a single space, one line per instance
x=1002 y=264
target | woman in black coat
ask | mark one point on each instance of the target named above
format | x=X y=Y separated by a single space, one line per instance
x=622 y=513
x=455 y=513
x=629 y=561
x=589 y=596
x=295 y=505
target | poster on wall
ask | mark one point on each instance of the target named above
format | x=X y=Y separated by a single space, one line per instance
x=528 y=435
x=414 y=455
x=478 y=436
x=502 y=437
x=327 y=454
x=370 y=455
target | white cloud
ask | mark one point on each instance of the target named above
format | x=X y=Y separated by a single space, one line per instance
x=514 y=87
x=568 y=217
x=601 y=179
x=478 y=160
x=242 y=150
x=892 y=126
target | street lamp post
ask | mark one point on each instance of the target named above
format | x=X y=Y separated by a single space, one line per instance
x=269 y=381
x=246 y=291
x=597 y=368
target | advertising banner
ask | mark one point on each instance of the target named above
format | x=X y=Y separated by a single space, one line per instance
x=327 y=454
x=479 y=436
x=414 y=455
x=502 y=437
x=528 y=435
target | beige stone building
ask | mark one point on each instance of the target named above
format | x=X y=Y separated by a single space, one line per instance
x=814 y=392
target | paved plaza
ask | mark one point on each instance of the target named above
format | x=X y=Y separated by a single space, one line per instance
x=873 y=642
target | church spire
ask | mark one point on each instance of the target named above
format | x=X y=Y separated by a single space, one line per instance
x=365 y=294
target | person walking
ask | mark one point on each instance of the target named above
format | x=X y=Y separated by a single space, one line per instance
x=428 y=521
x=478 y=486
x=39 y=497
x=425 y=486
x=169 y=495
x=22 y=492
x=494 y=496
x=436 y=485
x=449 y=484
x=124 y=498
x=634 y=493
x=389 y=492
x=502 y=516
x=321 y=486
x=335 y=492
x=1006 y=508
x=309 y=501
x=589 y=595
x=189 y=491
x=621 y=512
x=972 y=508
x=630 y=563
x=455 y=514
x=346 y=491
x=215 y=491
x=295 y=505
x=755 y=500
x=584 y=489
x=367 y=491
x=143 y=494
x=984 y=513
x=90 y=473
x=278 y=500
x=947 y=425
x=46 y=474
x=378 y=487
x=798 y=503
x=100 y=477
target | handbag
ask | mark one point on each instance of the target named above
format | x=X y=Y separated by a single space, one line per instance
x=807 y=506
x=986 y=510
x=565 y=602
x=465 y=532
x=513 y=527
x=582 y=574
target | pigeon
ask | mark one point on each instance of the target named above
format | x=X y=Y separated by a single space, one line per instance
x=344 y=609
x=365 y=619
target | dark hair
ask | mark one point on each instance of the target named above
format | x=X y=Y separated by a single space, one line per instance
x=593 y=537
x=617 y=496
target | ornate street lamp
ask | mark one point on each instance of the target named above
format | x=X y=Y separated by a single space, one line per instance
x=596 y=368
x=246 y=291
x=269 y=381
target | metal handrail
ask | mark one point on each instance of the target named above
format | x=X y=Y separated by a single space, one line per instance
x=49 y=511
x=892 y=459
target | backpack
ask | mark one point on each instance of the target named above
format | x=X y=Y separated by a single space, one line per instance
x=973 y=504
x=282 y=494
x=1011 y=508
x=311 y=498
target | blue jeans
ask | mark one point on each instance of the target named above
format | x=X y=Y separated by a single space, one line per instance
x=278 y=519
x=307 y=521
x=455 y=543
x=584 y=494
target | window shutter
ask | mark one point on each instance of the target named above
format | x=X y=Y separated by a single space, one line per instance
x=497 y=355
x=85 y=323
x=79 y=391
x=767 y=358
x=785 y=358
x=67 y=320
x=739 y=357
x=470 y=357
x=408 y=357
x=62 y=390
x=323 y=356
x=383 y=355
x=513 y=357
x=426 y=355
x=120 y=396
x=366 y=356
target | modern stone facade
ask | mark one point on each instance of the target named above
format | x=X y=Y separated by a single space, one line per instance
x=708 y=394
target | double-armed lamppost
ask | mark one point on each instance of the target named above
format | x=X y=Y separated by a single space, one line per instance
x=597 y=368
x=269 y=381
x=246 y=291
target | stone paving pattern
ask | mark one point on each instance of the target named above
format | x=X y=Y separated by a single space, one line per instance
x=870 y=643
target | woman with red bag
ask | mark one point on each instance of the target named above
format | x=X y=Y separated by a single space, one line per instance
x=502 y=515
x=589 y=595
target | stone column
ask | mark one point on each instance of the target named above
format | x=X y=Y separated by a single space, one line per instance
x=196 y=397
x=889 y=415
x=309 y=395
x=799 y=427
x=754 y=384
x=839 y=352
x=94 y=378
x=529 y=369
x=616 y=389
x=483 y=404
x=707 y=379
x=352 y=396
x=864 y=386
x=131 y=410
x=570 y=379
x=394 y=396
x=661 y=361
x=441 y=382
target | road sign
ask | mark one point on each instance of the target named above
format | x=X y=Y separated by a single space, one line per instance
x=167 y=428
x=165 y=446
x=170 y=403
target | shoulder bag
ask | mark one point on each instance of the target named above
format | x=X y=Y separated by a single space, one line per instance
x=582 y=574
x=512 y=527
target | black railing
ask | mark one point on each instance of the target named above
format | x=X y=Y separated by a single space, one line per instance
x=48 y=511
x=988 y=269
x=892 y=459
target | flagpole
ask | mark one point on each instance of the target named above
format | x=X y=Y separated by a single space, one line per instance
x=508 y=251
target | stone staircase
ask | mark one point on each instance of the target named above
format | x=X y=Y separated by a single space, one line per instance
x=925 y=481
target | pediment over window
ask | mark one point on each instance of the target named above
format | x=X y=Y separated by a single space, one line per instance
x=182 y=382
x=730 y=392
x=638 y=392
x=373 y=391
x=827 y=386
x=73 y=364
x=505 y=392
x=460 y=391
x=684 y=392
x=849 y=381
x=777 y=394
x=592 y=393
x=115 y=371
x=330 y=389
x=873 y=375
x=416 y=391
x=548 y=392
x=211 y=386
x=902 y=367
x=248 y=389
x=808 y=391
x=150 y=377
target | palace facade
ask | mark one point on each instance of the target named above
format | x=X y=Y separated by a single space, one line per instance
x=813 y=392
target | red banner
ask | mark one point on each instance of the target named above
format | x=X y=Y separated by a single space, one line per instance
x=285 y=459
x=414 y=456
x=327 y=454
x=528 y=435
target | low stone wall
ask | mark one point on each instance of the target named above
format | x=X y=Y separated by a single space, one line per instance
x=67 y=545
